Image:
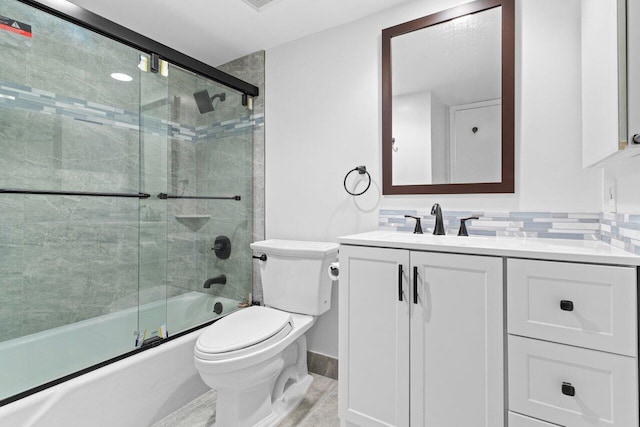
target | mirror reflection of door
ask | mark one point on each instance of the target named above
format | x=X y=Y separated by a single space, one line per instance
x=446 y=78
x=475 y=142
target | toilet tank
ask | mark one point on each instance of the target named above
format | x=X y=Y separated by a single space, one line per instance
x=294 y=275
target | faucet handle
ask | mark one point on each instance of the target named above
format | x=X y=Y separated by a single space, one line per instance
x=418 y=228
x=463 y=225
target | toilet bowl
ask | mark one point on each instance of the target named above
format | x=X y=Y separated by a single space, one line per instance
x=256 y=358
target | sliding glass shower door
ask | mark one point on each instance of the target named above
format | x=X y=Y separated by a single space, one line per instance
x=125 y=199
x=209 y=200
x=71 y=256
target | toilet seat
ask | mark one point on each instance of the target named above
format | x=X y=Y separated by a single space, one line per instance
x=243 y=332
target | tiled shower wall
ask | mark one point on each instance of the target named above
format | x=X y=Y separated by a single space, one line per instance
x=251 y=69
x=64 y=258
x=65 y=125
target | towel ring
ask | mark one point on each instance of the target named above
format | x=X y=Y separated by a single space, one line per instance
x=361 y=170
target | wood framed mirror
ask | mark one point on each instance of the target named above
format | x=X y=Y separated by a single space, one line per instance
x=448 y=101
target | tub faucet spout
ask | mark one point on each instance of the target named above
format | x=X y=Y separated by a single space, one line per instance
x=438 y=230
x=221 y=279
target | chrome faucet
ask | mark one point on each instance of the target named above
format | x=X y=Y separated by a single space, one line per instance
x=438 y=230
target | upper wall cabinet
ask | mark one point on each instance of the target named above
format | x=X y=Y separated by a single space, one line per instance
x=448 y=101
x=609 y=108
x=633 y=63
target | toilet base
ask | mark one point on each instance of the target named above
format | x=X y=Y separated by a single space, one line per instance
x=277 y=386
x=287 y=403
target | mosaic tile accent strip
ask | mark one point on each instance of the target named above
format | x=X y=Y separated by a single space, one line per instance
x=550 y=225
x=621 y=231
x=15 y=96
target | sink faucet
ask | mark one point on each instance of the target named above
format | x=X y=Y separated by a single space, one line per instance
x=418 y=227
x=438 y=230
x=463 y=226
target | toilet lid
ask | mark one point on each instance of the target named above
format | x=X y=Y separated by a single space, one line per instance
x=243 y=328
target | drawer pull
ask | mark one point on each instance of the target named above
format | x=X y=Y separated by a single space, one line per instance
x=566 y=305
x=568 y=389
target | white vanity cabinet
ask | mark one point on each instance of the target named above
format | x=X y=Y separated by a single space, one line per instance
x=573 y=343
x=421 y=338
x=447 y=331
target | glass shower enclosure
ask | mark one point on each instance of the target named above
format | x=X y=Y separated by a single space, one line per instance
x=125 y=199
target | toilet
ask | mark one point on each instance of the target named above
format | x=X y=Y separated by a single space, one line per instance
x=256 y=358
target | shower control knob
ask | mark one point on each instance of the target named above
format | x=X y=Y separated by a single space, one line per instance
x=217 y=308
x=636 y=138
x=222 y=247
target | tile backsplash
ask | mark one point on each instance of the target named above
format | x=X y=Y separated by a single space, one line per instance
x=620 y=230
x=550 y=225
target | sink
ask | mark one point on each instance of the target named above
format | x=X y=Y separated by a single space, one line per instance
x=438 y=240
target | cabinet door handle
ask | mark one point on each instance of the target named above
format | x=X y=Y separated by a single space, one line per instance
x=400 y=282
x=566 y=305
x=568 y=389
x=415 y=285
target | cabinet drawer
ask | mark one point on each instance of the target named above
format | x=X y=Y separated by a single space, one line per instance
x=592 y=306
x=604 y=384
x=517 y=420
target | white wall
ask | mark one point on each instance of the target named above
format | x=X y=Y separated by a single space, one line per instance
x=323 y=119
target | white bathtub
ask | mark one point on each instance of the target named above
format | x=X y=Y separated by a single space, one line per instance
x=136 y=391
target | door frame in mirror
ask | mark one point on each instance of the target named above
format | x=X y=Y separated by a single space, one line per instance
x=507 y=185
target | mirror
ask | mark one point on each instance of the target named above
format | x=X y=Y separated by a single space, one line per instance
x=447 y=101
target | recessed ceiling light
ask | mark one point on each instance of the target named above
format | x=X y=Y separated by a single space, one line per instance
x=259 y=4
x=121 y=77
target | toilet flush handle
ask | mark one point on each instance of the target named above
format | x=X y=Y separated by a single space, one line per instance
x=262 y=257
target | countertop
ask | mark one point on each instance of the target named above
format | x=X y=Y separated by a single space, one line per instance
x=515 y=247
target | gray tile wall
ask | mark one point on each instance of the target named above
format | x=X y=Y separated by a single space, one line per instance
x=66 y=125
x=251 y=69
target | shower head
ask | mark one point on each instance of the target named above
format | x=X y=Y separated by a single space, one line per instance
x=205 y=103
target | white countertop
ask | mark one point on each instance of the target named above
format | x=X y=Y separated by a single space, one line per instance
x=515 y=247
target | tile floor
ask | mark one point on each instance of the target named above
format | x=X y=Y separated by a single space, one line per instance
x=318 y=409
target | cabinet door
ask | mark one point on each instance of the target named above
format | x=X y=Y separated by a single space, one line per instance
x=374 y=336
x=457 y=341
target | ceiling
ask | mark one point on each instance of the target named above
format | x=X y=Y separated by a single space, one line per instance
x=218 y=31
x=459 y=60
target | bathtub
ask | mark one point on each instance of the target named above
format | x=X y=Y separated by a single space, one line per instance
x=136 y=391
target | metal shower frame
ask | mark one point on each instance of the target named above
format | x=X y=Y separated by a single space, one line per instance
x=89 y=20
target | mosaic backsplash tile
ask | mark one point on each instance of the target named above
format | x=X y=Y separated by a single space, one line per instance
x=553 y=225
x=619 y=230
x=622 y=231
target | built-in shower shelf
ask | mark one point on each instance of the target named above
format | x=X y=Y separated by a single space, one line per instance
x=193 y=222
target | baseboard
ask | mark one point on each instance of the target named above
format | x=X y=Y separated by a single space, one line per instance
x=322 y=365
